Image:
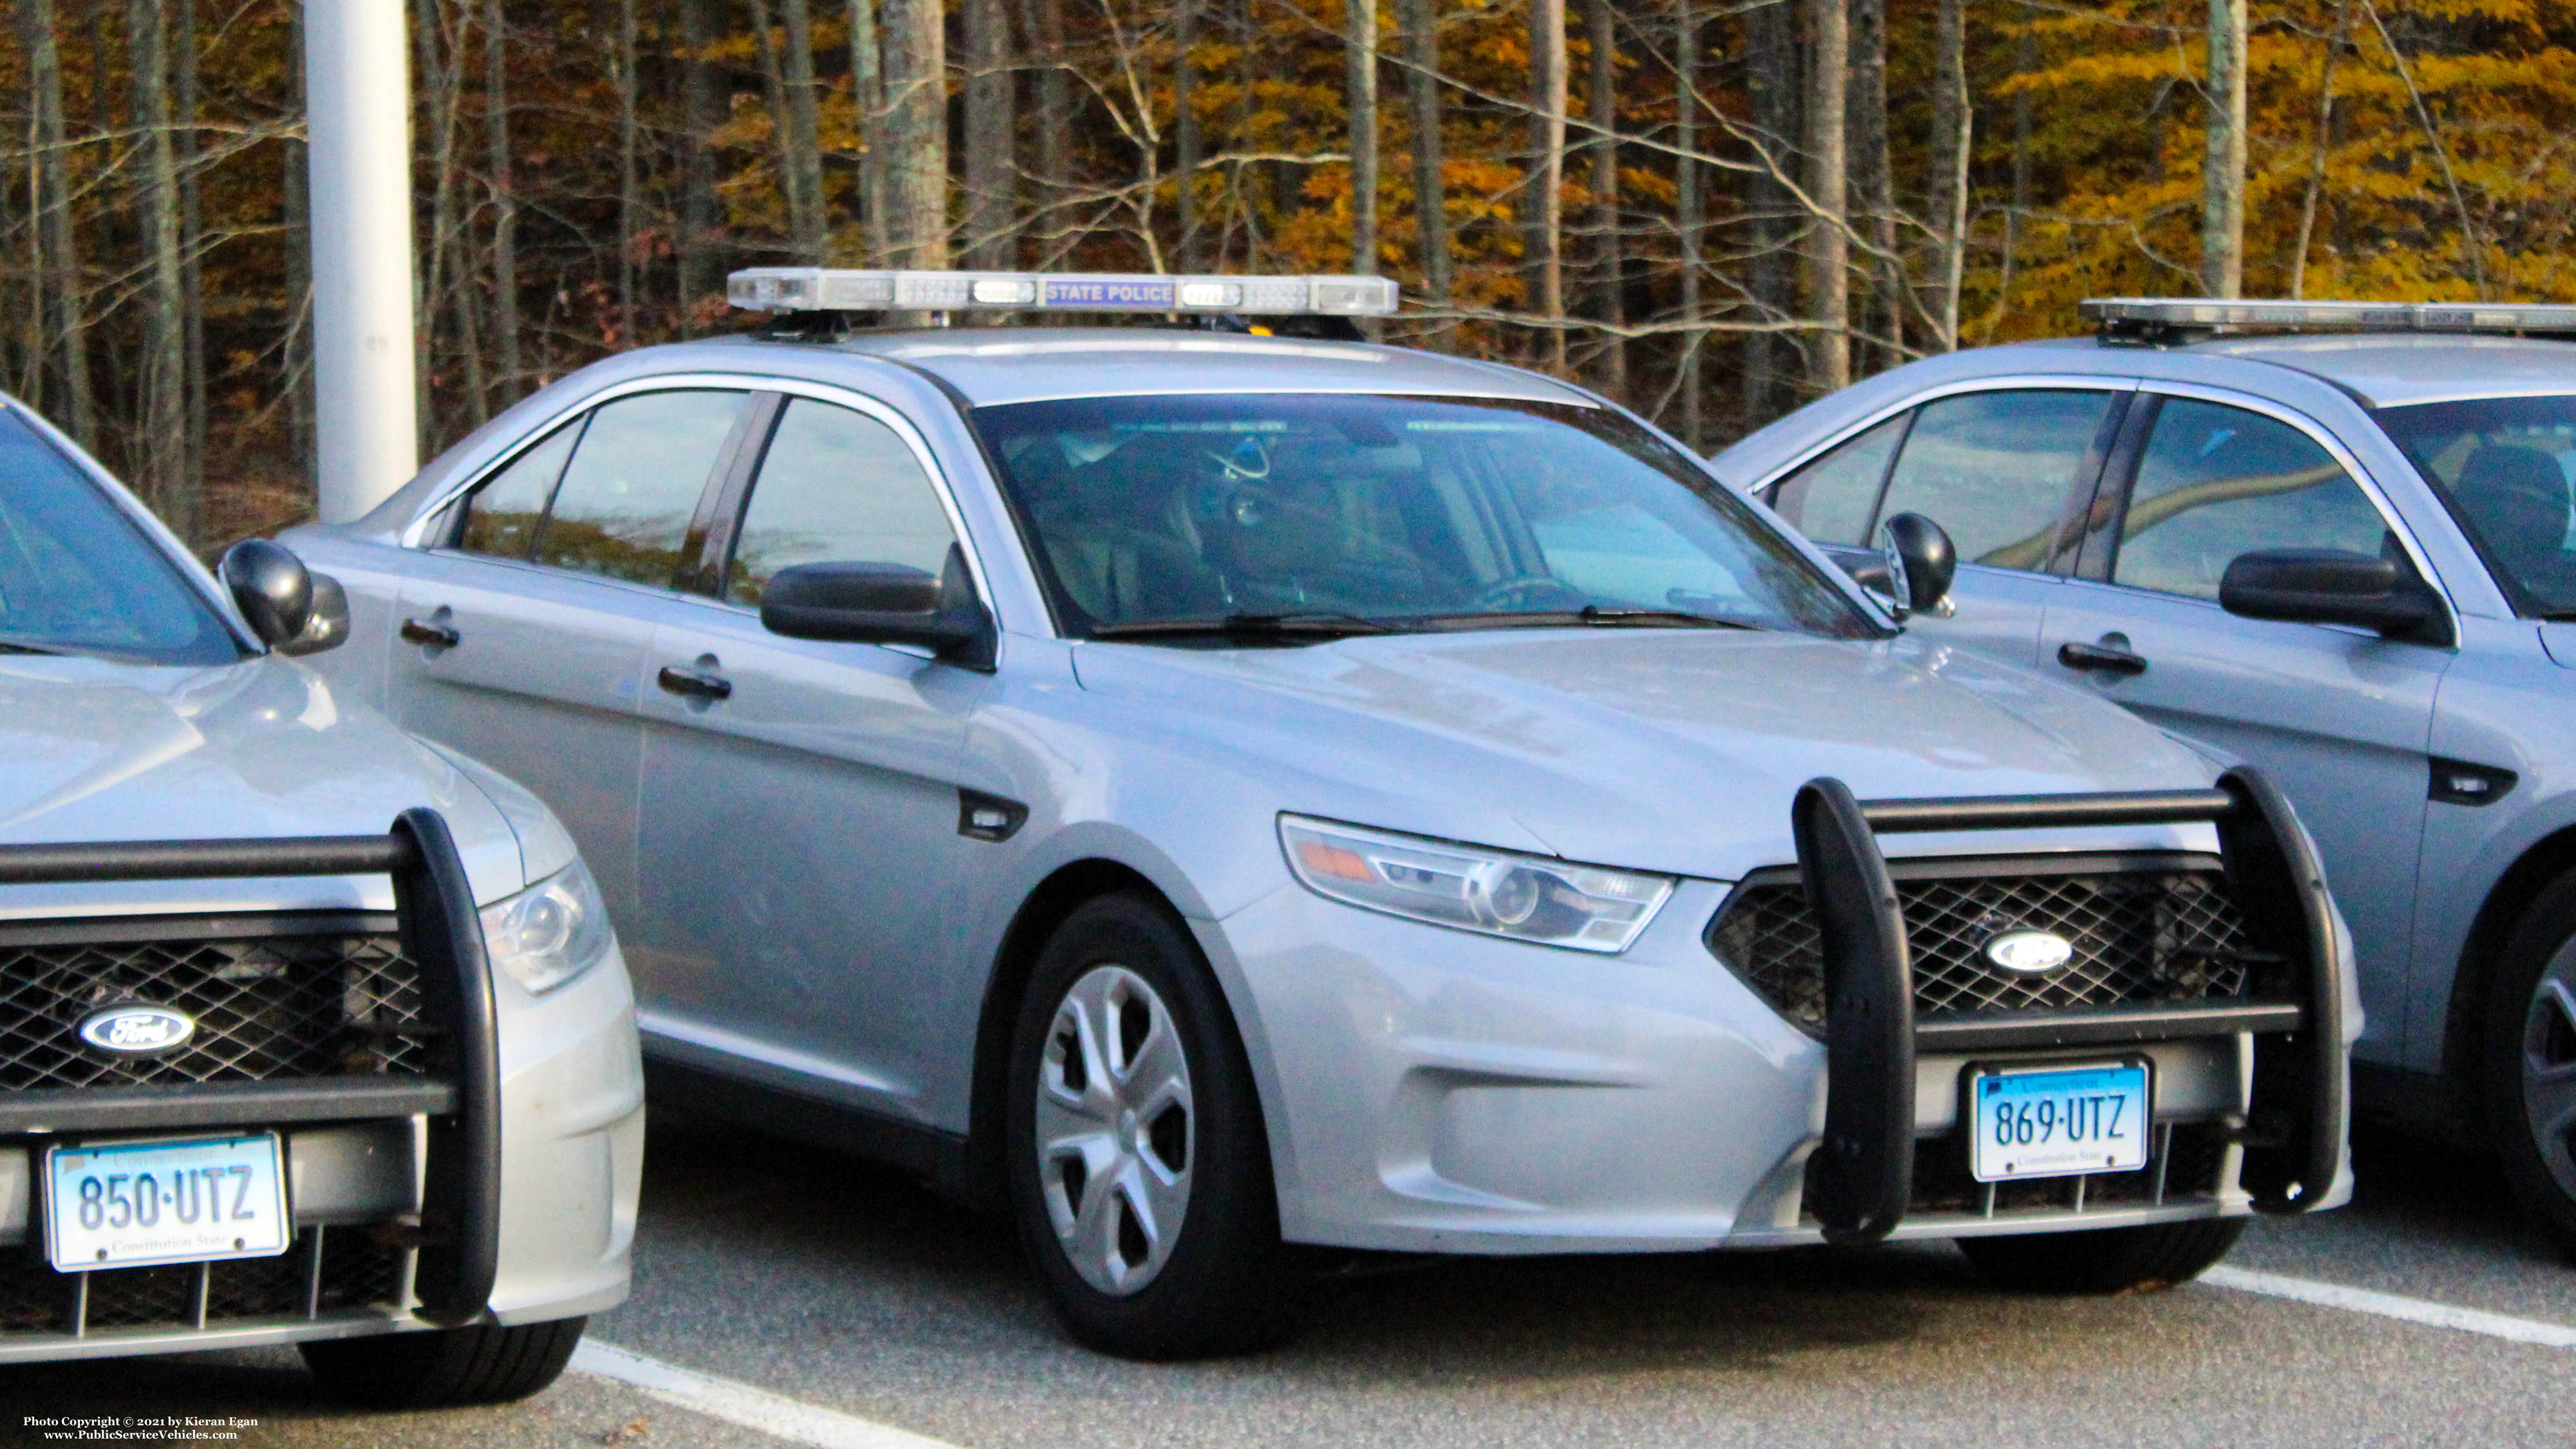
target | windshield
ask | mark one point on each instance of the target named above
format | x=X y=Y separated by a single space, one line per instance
x=76 y=575
x=2502 y=464
x=1387 y=512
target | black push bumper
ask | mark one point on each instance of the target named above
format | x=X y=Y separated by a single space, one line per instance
x=460 y=1094
x=1861 y=1177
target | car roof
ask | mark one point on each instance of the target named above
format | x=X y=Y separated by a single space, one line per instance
x=989 y=366
x=2395 y=370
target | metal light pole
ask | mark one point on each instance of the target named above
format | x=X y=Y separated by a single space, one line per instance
x=357 y=88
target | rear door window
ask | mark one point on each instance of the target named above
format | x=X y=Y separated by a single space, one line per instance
x=2217 y=481
x=501 y=517
x=623 y=508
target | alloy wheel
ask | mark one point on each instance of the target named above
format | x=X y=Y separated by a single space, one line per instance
x=2549 y=1068
x=1115 y=1129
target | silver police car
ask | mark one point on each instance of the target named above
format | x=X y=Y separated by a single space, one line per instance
x=2332 y=539
x=1226 y=797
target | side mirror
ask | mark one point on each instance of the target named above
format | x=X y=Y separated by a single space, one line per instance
x=2327 y=586
x=1915 y=564
x=271 y=587
x=327 y=627
x=882 y=603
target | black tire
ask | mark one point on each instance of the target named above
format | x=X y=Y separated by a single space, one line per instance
x=2526 y=1033
x=444 y=1368
x=2104 y=1260
x=1223 y=1284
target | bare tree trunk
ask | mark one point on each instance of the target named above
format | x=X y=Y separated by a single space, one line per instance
x=2222 y=176
x=192 y=231
x=1950 y=135
x=917 y=133
x=1545 y=212
x=992 y=126
x=1828 y=248
x=804 y=148
x=1188 y=146
x=1771 y=67
x=505 y=200
x=630 y=189
x=1609 y=301
x=297 y=359
x=2025 y=60
x=1689 y=210
x=1045 y=20
x=2325 y=138
x=1420 y=20
x=1872 y=173
x=773 y=84
x=161 y=447
x=867 y=93
x=1359 y=88
x=59 y=282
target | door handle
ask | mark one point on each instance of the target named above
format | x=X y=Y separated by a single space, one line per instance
x=431 y=633
x=2101 y=659
x=696 y=684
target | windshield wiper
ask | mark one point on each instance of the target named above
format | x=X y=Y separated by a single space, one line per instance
x=1593 y=616
x=1246 y=626
x=8 y=646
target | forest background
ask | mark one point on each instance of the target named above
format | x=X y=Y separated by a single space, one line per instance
x=1712 y=210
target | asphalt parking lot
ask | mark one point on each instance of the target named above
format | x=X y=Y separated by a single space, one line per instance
x=799 y=1281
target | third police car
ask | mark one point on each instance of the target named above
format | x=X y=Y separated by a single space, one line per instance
x=1226 y=795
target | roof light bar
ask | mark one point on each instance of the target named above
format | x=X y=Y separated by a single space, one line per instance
x=2133 y=315
x=838 y=289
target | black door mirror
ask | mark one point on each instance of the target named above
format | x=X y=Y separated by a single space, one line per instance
x=882 y=603
x=1914 y=566
x=327 y=627
x=271 y=587
x=2328 y=586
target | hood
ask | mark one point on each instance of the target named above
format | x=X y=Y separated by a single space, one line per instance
x=1674 y=750
x=93 y=750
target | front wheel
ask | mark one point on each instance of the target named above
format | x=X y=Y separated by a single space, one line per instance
x=1139 y=1171
x=2531 y=1062
x=2104 y=1260
x=477 y=1364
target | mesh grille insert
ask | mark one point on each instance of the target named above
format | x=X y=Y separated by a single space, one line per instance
x=2139 y=936
x=266 y=1008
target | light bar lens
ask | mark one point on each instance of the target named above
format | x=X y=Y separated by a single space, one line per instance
x=2349 y=316
x=835 y=289
x=1533 y=898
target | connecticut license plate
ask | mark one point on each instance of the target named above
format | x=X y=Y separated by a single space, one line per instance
x=2058 y=1121
x=121 y=1204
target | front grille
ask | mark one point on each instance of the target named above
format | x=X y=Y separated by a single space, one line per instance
x=266 y=1007
x=2140 y=936
x=358 y=1268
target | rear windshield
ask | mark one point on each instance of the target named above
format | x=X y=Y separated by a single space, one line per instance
x=1403 y=511
x=78 y=577
x=2502 y=464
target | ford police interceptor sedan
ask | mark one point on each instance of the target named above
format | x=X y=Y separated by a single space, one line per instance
x=2333 y=539
x=1225 y=796
x=309 y=1033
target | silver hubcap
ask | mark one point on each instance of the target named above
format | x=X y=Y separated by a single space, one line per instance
x=2549 y=1068
x=1116 y=1130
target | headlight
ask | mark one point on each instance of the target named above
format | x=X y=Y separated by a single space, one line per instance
x=1498 y=892
x=549 y=933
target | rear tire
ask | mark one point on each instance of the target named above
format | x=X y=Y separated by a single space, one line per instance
x=2530 y=1062
x=444 y=1368
x=2104 y=1260
x=1138 y=1167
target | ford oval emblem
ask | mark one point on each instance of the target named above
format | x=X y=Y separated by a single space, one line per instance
x=136 y=1031
x=2030 y=952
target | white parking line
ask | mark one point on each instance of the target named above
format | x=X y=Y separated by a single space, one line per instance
x=743 y=1405
x=2390 y=1305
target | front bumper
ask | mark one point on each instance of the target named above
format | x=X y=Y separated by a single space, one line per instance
x=395 y=1179
x=1430 y=1090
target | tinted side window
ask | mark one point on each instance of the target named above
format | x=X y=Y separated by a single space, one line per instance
x=501 y=518
x=2217 y=481
x=624 y=505
x=1831 y=499
x=836 y=486
x=1997 y=470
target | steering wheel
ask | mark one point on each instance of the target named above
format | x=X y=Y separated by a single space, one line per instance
x=1540 y=589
